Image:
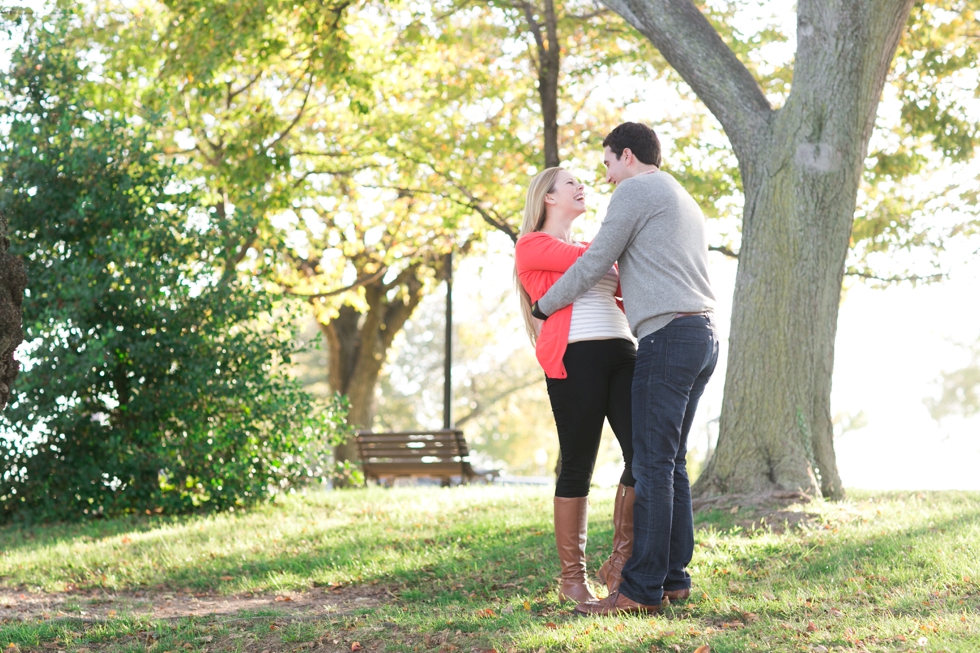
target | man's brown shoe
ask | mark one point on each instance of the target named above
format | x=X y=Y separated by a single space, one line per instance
x=615 y=603
x=677 y=595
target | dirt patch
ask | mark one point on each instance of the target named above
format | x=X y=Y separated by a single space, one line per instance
x=99 y=605
x=775 y=511
x=777 y=521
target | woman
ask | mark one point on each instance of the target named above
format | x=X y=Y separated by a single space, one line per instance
x=588 y=354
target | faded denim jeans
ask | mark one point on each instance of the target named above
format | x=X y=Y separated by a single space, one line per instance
x=673 y=366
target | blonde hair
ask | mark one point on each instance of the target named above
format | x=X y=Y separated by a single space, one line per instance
x=534 y=215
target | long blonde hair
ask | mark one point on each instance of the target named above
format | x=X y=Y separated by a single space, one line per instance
x=534 y=215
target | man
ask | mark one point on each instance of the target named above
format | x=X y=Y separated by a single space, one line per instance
x=655 y=230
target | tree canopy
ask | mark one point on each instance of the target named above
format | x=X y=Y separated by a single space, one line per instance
x=155 y=381
x=332 y=153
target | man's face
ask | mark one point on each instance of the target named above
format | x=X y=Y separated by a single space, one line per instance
x=616 y=170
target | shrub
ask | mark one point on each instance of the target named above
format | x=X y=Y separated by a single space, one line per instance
x=156 y=378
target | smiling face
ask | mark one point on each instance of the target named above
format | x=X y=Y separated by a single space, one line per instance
x=616 y=167
x=567 y=197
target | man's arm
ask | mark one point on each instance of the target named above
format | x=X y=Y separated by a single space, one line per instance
x=606 y=248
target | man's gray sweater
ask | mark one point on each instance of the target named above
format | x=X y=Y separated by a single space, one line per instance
x=655 y=230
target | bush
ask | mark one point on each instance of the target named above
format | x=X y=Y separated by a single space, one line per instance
x=156 y=378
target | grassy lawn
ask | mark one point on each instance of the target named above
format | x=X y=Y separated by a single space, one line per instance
x=474 y=569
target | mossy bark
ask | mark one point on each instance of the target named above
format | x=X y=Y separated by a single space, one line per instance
x=13 y=281
x=801 y=166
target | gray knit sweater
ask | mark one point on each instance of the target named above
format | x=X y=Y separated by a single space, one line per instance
x=655 y=230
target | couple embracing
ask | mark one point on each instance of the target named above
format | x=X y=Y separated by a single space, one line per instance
x=644 y=275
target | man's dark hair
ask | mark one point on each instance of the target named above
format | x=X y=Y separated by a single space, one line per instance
x=640 y=139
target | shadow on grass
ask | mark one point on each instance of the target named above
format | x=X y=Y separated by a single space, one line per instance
x=454 y=568
x=448 y=555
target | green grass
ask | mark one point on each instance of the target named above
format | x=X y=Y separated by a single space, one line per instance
x=474 y=568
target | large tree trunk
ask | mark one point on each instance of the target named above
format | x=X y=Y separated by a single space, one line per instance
x=13 y=281
x=358 y=344
x=548 y=65
x=801 y=166
x=549 y=62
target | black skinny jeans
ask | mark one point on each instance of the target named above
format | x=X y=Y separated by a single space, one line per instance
x=599 y=385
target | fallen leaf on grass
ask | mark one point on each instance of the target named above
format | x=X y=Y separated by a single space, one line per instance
x=283 y=598
x=811 y=627
x=356 y=646
x=111 y=613
x=226 y=578
x=485 y=614
x=527 y=605
x=552 y=625
x=507 y=609
x=620 y=628
x=704 y=648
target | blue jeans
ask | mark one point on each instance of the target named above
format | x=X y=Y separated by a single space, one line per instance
x=673 y=366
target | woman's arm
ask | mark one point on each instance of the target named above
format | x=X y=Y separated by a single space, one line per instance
x=540 y=251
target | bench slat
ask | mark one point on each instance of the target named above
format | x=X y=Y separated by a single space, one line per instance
x=400 y=453
x=435 y=469
x=409 y=451
x=433 y=442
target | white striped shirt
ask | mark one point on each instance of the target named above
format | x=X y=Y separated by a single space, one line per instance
x=595 y=315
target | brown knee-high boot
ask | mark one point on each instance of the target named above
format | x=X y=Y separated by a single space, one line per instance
x=610 y=573
x=571 y=531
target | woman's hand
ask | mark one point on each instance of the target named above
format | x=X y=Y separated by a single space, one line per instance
x=537 y=326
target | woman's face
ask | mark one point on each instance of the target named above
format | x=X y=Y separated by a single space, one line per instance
x=568 y=196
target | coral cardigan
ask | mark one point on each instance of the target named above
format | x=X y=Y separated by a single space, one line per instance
x=541 y=259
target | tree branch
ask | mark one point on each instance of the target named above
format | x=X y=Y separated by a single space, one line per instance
x=361 y=281
x=482 y=407
x=914 y=278
x=234 y=92
x=473 y=204
x=589 y=16
x=694 y=49
x=232 y=264
x=299 y=115
x=727 y=251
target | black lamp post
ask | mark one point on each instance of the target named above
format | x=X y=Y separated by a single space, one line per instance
x=447 y=396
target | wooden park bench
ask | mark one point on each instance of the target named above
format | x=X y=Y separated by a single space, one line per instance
x=441 y=454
